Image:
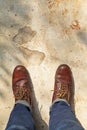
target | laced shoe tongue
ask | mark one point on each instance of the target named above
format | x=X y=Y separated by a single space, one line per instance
x=22 y=93
x=62 y=90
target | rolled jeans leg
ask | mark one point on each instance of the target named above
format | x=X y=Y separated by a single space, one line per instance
x=20 y=118
x=62 y=117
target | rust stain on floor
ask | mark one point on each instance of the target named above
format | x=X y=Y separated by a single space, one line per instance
x=54 y=3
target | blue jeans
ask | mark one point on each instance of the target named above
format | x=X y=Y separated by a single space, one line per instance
x=61 y=118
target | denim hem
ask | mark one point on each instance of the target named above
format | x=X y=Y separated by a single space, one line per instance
x=59 y=100
x=25 y=103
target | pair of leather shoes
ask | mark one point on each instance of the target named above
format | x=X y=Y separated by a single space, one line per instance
x=21 y=83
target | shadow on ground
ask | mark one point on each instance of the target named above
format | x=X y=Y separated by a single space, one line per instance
x=40 y=124
x=72 y=101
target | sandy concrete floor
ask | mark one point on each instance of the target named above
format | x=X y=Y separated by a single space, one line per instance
x=41 y=35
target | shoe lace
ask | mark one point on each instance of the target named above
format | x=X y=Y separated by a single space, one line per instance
x=21 y=93
x=62 y=90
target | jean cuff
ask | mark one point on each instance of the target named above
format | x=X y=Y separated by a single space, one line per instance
x=25 y=103
x=59 y=100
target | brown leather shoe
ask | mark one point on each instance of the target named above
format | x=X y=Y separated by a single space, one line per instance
x=21 y=84
x=63 y=83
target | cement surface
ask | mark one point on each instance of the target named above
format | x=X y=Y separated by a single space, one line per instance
x=41 y=35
